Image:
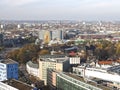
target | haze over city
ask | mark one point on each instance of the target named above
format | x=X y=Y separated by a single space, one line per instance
x=60 y=10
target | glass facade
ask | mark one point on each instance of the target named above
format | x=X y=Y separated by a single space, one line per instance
x=65 y=82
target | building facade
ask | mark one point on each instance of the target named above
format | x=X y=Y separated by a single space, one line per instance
x=51 y=79
x=65 y=82
x=91 y=72
x=57 y=34
x=46 y=35
x=8 y=69
x=4 y=86
x=32 y=69
x=57 y=62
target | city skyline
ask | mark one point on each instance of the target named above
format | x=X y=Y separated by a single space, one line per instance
x=60 y=10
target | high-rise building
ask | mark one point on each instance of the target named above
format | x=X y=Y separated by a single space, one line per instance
x=57 y=62
x=8 y=69
x=57 y=34
x=46 y=35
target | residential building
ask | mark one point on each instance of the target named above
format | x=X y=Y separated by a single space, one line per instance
x=8 y=69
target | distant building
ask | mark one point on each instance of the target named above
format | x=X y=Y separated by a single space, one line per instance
x=8 y=69
x=57 y=62
x=47 y=36
x=57 y=34
x=18 y=26
x=1 y=39
x=1 y=26
x=74 y=60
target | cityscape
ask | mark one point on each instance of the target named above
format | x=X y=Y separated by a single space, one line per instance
x=60 y=45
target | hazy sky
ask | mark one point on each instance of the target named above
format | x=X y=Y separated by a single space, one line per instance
x=60 y=9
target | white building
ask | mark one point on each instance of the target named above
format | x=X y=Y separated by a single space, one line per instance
x=32 y=68
x=4 y=86
x=1 y=26
x=18 y=26
x=74 y=60
x=103 y=74
x=3 y=72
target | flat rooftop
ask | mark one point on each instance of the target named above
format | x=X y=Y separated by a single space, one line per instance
x=53 y=58
x=8 y=61
x=18 y=84
x=91 y=83
x=114 y=69
x=31 y=64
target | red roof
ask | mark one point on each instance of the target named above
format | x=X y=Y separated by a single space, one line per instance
x=72 y=53
x=105 y=62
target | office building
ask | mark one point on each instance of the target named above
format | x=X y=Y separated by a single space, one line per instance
x=32 y=68
x=51 y=78
x=46 y=35
x=8 y=69
x=57 y=62
x=57 y=34
x=74 y=60
x=110 y=75
x=66 y=81
x=72 y=82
